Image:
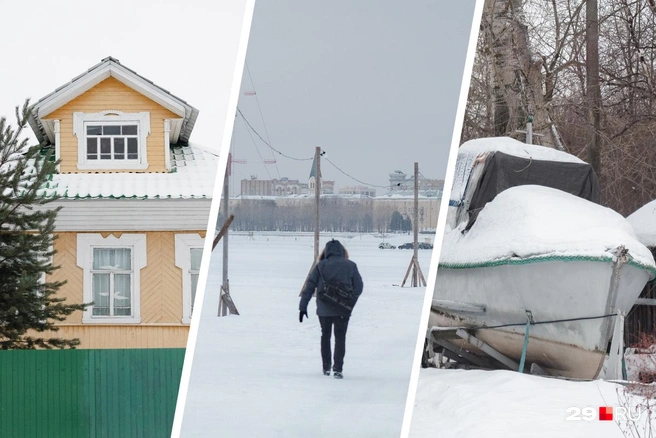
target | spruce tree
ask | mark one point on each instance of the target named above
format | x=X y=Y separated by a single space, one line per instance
x=396 y=221
x=29 y=305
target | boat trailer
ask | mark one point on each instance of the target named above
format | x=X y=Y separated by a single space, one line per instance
x=450 y=347
x=448 y=343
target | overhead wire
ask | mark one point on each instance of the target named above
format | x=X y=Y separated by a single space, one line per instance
x=259 y=153
x=352 y=177
x=267 y=143
x=437 y=186
x=259 y=108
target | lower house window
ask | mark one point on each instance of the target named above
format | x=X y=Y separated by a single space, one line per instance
x=194 y=269
x=112 y=282
x=188 y=254
x=111 y=279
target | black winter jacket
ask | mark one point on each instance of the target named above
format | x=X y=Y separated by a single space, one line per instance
x=333 y=267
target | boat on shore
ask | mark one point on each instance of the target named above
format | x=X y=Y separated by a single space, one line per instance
x=531 y=265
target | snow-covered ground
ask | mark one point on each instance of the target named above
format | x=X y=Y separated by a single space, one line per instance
x=259 y=374
x=474 y=403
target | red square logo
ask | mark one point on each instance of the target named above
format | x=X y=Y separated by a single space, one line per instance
x=605 y=413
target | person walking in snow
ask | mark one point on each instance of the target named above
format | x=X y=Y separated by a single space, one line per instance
x=333 y=267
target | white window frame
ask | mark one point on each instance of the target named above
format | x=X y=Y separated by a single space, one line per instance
x=85 y=245
x=80 y=120
x=184 y=243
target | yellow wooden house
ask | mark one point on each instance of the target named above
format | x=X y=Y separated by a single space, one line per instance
x=135 y=198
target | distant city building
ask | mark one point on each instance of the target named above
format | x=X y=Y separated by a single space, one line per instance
x=256 y=187
x=358 y=190
x=328 y=187
x=312 y=180
x=285 y=186
x=272 y=187
x=398 y=181
x=401 y=183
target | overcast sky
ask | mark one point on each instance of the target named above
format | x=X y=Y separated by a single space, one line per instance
x=375 y=83
x=189 y=48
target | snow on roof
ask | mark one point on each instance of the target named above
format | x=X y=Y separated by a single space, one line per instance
x=643 y=222
x=514 y=147
x=192 y=176
x=535 y=221
x=470 y=150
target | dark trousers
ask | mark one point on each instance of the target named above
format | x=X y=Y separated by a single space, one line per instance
x=341 y=324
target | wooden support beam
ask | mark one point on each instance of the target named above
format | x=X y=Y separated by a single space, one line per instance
x=224 y=229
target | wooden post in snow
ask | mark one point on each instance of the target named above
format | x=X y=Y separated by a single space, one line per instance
x=317 y=197
x=317 y=201
x=415 y=227
x=226 y=304
x=222 y=231
x=417 y=278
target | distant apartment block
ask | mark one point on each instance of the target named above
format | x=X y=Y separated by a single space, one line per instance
x=358 y=190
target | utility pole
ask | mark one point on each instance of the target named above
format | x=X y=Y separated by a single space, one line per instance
x=317 y=196
x=225 y=288
x=317 y=199
x=417 y=276
x=415 y=226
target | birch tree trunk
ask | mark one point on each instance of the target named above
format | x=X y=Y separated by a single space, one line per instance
x=593 y=92
x=517 y=73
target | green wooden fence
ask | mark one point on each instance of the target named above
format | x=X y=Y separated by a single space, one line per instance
x=89 y=393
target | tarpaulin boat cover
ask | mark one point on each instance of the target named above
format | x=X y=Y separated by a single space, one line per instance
x=502 y=171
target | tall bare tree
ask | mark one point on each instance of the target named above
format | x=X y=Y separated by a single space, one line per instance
x=550 y=76
x=516 y=73
x=593 y=91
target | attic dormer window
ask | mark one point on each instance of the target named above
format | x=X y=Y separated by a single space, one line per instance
x=114 y=141
x=111 y=140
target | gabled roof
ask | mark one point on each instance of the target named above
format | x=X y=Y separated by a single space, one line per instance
x=98 y=73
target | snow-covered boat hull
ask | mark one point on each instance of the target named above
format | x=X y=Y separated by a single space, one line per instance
x=552 y=290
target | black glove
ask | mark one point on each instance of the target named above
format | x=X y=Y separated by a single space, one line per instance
x=300 y=315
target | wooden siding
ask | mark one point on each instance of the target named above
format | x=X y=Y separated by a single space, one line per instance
x=161 y=297
x=98 y=336
x=65 y=257
x=112 y=94
x=161 y=281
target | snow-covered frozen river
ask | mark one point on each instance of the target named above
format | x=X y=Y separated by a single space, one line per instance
x=259 y=374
